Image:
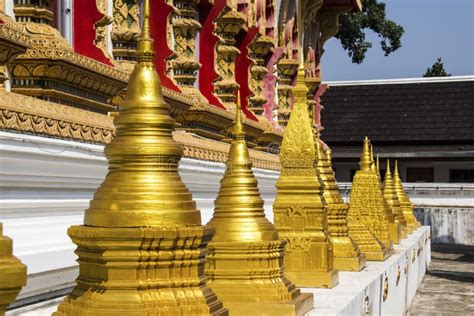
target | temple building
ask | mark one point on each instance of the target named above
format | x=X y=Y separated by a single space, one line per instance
x=121 y=136
x=424 y=123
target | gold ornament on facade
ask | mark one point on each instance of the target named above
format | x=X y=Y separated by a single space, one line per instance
x=347 y=255
x=244 y=264
x=51 y=70
x=299 y=211
x=286 y=70
x=227 y=26
x=259 y=48
x=390 y=196
x=102 y=28
x=33 y=11
x=185 y=27
x=367 y=223
x=142 y=247
x=125 y=31
x=405 y=203
x=12 y=273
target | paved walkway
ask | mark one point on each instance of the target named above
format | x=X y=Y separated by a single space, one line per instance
x=448 y=287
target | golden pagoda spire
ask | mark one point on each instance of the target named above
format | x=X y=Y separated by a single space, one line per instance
x=12 y=273
x=377 y=167
x=299 y=210
x=391 y=197
x=347 y=255
x=368 y=213
x=394 y=228
x=142 y=248
x=372 y=165
x=244 y=264
x=405 y=203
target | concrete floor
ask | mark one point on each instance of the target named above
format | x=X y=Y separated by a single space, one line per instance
x=448 y=287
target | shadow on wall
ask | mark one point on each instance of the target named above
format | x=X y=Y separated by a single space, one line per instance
x=448 y=225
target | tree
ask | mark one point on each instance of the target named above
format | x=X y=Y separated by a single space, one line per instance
x=437 y=70
x=353 y=26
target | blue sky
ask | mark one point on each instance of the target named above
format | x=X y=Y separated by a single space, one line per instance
x=433 y=28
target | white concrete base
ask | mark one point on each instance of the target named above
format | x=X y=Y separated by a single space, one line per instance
x=358 y=293
x=361 y=293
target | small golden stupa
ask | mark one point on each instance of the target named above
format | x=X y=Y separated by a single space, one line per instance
x=142 y=247
x=12 y=273
x=405 y=203
x=244 y=264
x=367 y=211
x=347 y=255
x=299 y=210
x=394 y=228
x=390 y=196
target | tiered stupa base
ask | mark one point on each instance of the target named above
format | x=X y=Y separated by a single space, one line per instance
x=247 y=277
x=395 y=232
x=305 y=260
x=141 y=271
x=12 y=273
x=346 y=258
x=346 y=254
x=370 y=245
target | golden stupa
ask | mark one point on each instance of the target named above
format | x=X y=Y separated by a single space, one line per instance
x=394 y=227
x=244 y=264
x=299 y=210
x=142 y=247
x=367 y=223
x=346 y=253
x=405 y=203
x=12 y=273
x=390 y=195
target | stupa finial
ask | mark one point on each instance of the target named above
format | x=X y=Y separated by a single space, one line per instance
x=365 y=161
x=145 y=49
x=378 y=166
x=388 y=173
x=238 y=130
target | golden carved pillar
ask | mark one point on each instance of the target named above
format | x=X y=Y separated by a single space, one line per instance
x=12 y=273
x=101 y=28
x=405 y=203
x=367 y=223
x=390 y=196
x=142 y=247
x=184 y=65
x=286 y=69
x=347 y=255
x=299 y=211
x=125 y=31
x=258 y=50
x=244 y=264
x=227 y=26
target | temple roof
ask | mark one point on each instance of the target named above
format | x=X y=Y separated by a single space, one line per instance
x=424 y=111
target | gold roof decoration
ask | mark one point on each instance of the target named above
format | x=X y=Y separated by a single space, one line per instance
x=142 y=247
x=367 y=211
x=62 y=73
x=244 y=264
x=12 y=273
x=14 y=39
x=391 y=197
x=299 y=210
x=405 y=203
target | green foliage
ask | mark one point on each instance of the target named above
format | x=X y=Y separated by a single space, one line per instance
x=353 y=26
x=437 y=70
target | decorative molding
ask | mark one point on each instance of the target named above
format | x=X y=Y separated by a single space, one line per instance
x=29 y=115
